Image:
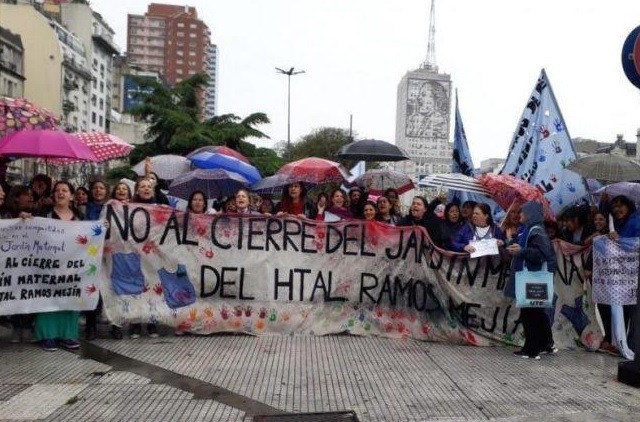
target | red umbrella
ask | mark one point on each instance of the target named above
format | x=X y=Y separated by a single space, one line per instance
x=507 y=190
x=18 y=114
x=45 y=144
x=104 y=145
x=219 y=149
x=313 y=170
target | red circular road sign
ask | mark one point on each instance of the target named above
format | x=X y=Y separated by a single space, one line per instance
x=631 y=57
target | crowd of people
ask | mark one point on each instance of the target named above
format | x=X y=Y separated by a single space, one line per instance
x=523 y=234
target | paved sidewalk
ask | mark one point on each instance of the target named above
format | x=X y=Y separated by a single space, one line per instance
x=234 y=377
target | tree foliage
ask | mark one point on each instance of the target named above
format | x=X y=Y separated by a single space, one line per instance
x=323 y=143
x=175 y=125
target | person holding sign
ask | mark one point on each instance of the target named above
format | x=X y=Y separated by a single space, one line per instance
x=62 y=326
x=626 y=223
x=145 y=194
x=533 y=248
x=337 y=210
x=480 y=232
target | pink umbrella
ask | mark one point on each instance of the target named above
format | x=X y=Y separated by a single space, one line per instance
x=45 y=144
x=507 y=190
x=104 y=145
x=219 y=149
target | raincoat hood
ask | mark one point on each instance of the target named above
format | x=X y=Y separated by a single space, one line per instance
x=533 y=211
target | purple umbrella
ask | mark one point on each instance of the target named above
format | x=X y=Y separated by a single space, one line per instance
x=213 y=182
x=45 y=144
x=209 y=160
x=629 y=189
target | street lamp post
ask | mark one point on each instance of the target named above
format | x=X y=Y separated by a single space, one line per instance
x=291 y=72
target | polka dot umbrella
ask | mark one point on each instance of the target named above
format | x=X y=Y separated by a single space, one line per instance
x=104 y=145
x=18 y=114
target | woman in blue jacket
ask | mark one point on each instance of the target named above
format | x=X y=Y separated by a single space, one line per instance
x=481 y=227
x=533 y=248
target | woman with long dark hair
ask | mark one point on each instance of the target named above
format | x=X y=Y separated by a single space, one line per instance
x=419 y=215
x=294 y=201
x=59 y=327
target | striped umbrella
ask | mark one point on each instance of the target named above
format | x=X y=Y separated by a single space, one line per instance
x=455 y=181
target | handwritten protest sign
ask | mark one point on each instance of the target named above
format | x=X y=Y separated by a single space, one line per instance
x=49 y=265
x=256 y=274
x=615 y=271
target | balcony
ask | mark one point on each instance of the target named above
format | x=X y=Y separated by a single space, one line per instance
x=104 y=40
x=72 y=64
x=68 y=106
x=70 y=85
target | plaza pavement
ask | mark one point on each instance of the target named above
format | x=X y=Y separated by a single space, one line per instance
x=240 y=378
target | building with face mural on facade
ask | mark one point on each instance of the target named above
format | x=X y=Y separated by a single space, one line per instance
x=423 y=117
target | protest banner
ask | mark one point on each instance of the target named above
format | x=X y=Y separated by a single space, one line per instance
x=615 y=271
x=49 y=265
x=258 y=275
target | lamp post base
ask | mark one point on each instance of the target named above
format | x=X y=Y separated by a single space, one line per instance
x=629 y=373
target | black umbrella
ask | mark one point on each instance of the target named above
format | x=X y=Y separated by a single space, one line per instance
x=372 y=150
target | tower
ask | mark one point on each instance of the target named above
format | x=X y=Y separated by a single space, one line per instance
x=423 y=115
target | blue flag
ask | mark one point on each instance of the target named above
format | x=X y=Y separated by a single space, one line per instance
x=462 y=163
x=541 y=149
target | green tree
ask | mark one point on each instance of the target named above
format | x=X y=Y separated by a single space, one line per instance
x=323 y=143
x=231 y=130
x=267 y=161
x=175 y=126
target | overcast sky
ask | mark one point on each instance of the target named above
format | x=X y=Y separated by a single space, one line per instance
x=355 y=52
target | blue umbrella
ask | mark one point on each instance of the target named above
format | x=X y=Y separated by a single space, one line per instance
x=210 y=160
x=214 y=183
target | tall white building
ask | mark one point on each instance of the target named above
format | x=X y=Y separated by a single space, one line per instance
x=211 y=96
x=97 y=36
x=423 y=116
x=422 y=122
x=76 y=82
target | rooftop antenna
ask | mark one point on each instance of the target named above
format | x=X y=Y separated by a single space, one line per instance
x=430 y=62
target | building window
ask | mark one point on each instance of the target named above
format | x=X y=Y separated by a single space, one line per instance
x=179 y=71
x=101 y=104
x=101 y=86
x=193 y=35
x=180 y=34
x=180 y=25
x=93 y=117
x=193 y=25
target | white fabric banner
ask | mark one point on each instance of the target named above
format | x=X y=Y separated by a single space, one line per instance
x=267 y=275
x=49 y=265
x=615 y=271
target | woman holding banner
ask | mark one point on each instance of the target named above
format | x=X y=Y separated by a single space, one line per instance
x=98 y=196
x=61 y=326
x=532 y=249
x=145 y=194
x=294 y=201
x=626 y=223
x=419 y=216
